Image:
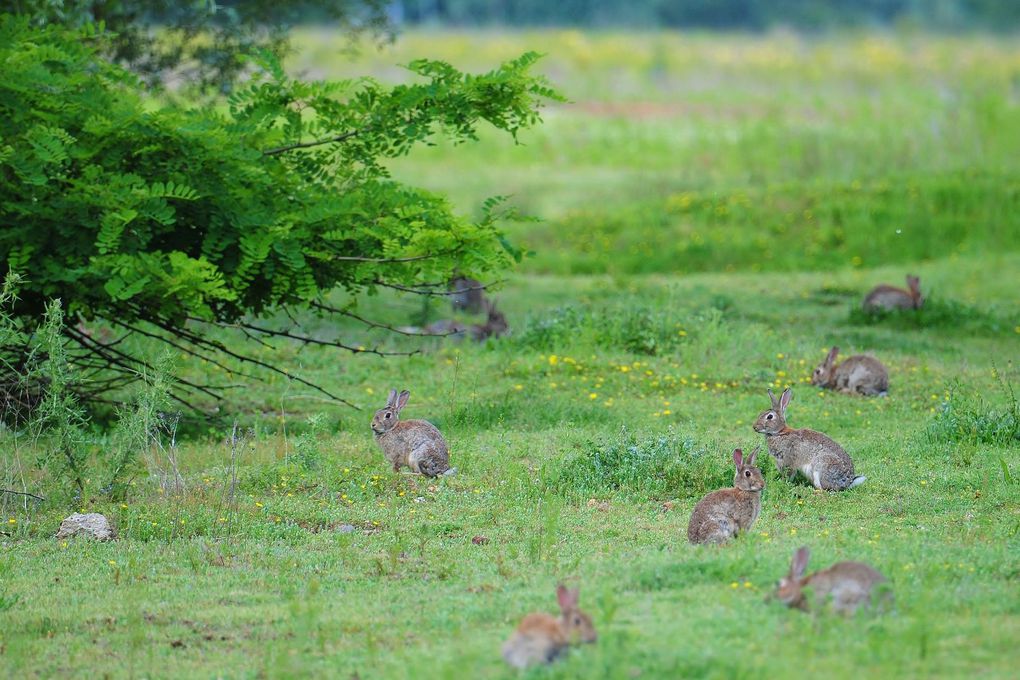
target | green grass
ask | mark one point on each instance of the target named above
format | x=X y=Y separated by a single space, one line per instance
x=639 y=359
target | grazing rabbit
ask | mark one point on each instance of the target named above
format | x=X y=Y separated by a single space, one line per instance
x=494 y=326
x=541 y=638
x=821 y=460
x=722 y=514
x=847 y=585
x=414 y=443
x=858 y=374
x=890 y=297
x=467 y=295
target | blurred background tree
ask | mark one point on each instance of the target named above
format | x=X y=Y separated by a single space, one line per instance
x=714 y=14
x=201 y=42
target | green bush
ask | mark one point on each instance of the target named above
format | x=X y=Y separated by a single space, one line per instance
x=155 y=215
x=962 y=419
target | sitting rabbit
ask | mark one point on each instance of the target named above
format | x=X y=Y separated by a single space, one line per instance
x=817 y=457
x=720 y=515
x=416 y=444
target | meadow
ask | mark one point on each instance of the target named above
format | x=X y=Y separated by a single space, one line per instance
x=713 y=209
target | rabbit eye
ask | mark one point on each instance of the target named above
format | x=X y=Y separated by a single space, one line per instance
x=387 y=415
x=768 y=417
x=747 y=473
x=577 y=620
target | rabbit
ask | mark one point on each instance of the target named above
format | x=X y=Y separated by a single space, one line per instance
x=722 y=514
x=824 y=462
x=847 y=585
x=890 y=297
x=467 y=295
x=858 y=374
x=414 y=443
x=494 y=326
x=542 y=638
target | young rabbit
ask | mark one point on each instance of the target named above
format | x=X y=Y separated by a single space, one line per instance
x=541 y=638
x=858 y=374
x=890 y=297
x=821 y=460
x=414 y=443
x=494 y=326
x=847 y=585
x=722 y=514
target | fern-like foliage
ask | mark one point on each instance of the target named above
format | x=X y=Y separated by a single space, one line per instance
x=143 y=215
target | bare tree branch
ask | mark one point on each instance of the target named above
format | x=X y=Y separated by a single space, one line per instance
x=219 y=346
x=304 y=145
x=374 y=324
x=327 y=343
x=23 y=493
x=388 y=260
x=427 y=291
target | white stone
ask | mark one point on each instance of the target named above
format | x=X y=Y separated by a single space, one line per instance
x=92 y=524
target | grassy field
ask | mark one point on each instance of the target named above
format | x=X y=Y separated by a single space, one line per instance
x=715 y=208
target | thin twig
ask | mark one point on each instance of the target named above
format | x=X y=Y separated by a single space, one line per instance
x=327 y=343
x=425 y=291
x=304 y=145
x=374 y=324
x=387 y=260
x=31 y=495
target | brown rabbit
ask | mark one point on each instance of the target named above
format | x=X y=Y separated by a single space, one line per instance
x=824 y=462
x=722 y=514
x=890 y=297
x=859 y=374
x=494 y=326
x=467 y=295
x=416 y=444
x=847 y=585
x=542 y=638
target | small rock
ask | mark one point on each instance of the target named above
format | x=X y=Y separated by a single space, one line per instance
x=480 y=540
x=419 y=499
x=667 y=506
x=92 y=524
x=346 y=528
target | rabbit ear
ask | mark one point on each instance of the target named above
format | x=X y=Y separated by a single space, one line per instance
x=402 y=400
x=799 y=565
x=775 y=402
x=914 y=283
x=738 y=458
x=830 y=359
x=566 y=597
x=754 y=456
x=784 y=401
x=392 y=401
